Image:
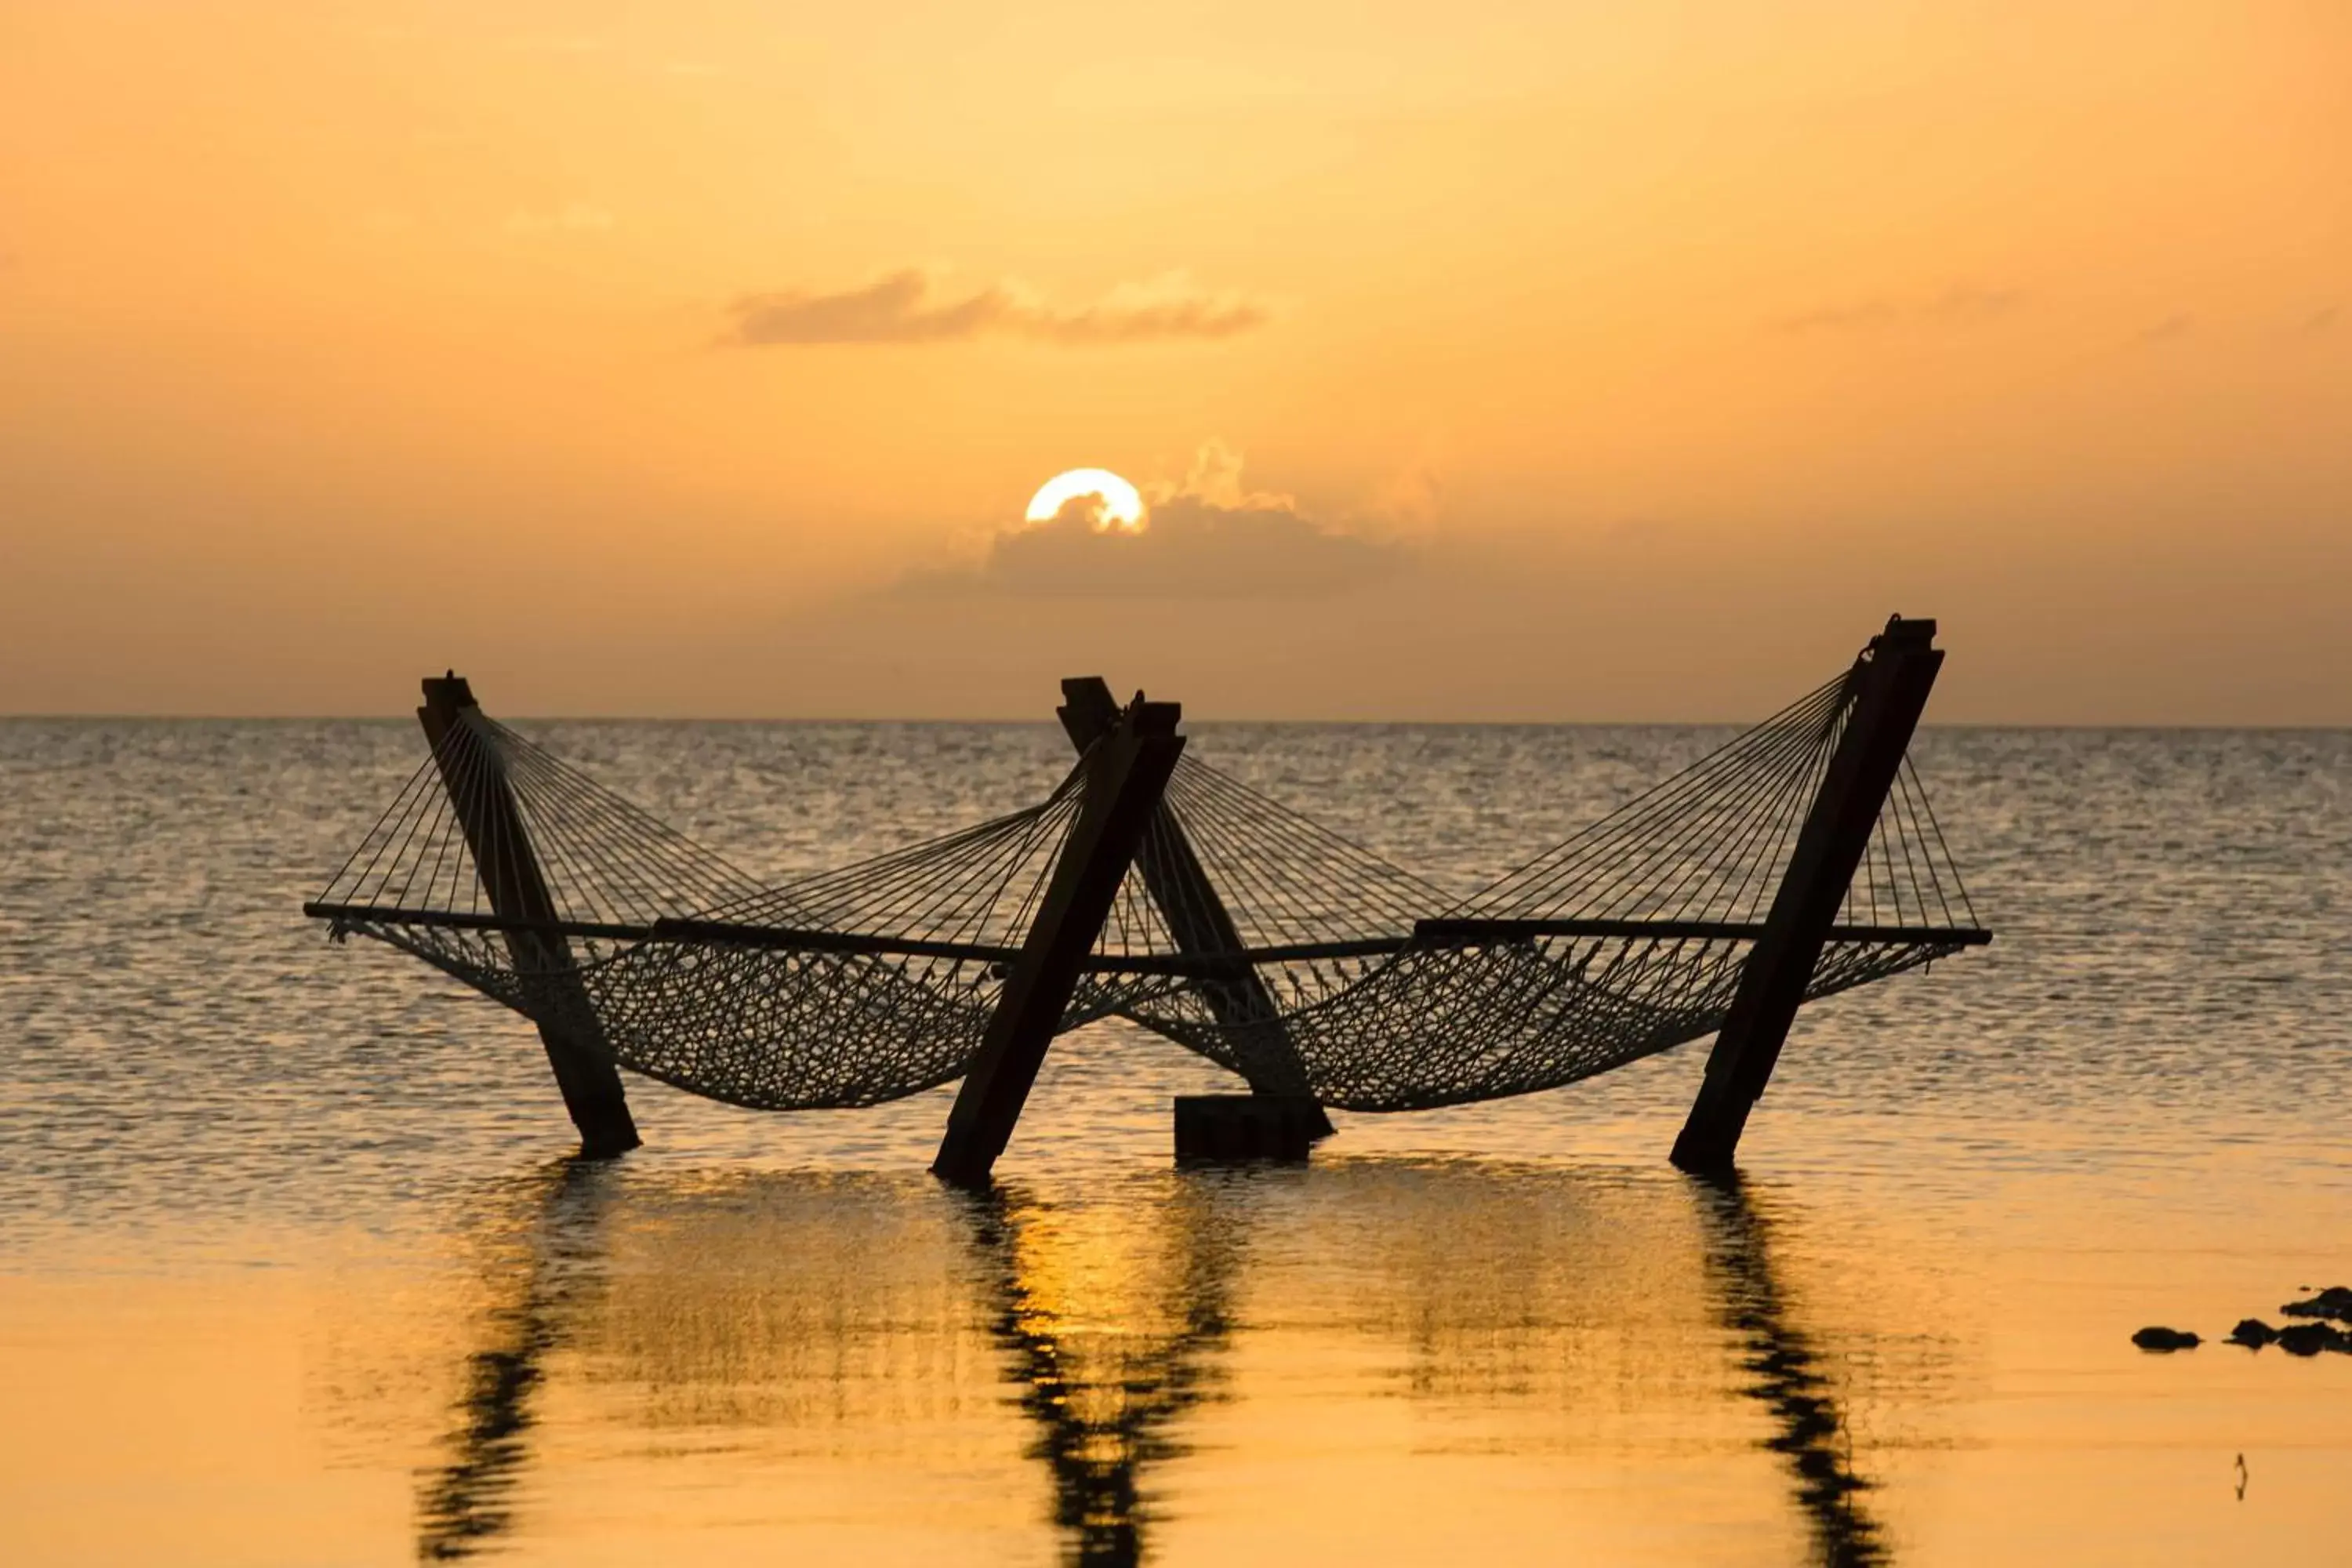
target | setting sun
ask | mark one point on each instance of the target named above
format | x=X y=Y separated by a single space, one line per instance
x=1118 y=507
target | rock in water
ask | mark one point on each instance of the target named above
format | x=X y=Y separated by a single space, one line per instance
x=2336 y=1302
x=2252 y=1333
x=2310 y=1339
x=2160 y=1339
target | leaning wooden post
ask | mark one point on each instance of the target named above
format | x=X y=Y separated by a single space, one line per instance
x=1888 y=688
x=1198 y=923
x=1125 y=773
x=483 y=798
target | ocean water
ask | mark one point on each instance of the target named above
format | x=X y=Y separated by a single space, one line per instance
x=293 y=1268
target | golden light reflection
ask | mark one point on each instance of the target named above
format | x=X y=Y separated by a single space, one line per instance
x=1789 y=1378
x=1140 y=1336
x=545 y=1266
x=1108 y=1376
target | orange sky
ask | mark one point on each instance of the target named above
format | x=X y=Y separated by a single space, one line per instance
x=1584 y=362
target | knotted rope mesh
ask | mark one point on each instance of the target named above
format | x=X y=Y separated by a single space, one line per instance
x=851 y=988
x=1621 y=942
x=1243 y=931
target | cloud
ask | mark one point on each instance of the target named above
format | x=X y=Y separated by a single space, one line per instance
x=1209 y=538
x=573 y=218
x=1215 y=479
x=2172 y=328
x=2320 y=320
x=1961 y=305
x=905 y=307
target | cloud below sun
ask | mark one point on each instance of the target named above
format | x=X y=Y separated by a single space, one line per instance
x=1208 y=537
x=909 y=306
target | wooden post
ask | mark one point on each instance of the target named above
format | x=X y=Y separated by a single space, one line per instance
x=1888 y=686
x=1127 y=771
x=1197 y=920
x=483 y=798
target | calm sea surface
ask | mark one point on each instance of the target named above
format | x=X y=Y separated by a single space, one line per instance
x=293 y=1268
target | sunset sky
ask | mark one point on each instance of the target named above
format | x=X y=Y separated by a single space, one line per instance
x=1530 y=362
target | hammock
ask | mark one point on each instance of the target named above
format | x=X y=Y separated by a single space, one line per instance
x=1243 y=931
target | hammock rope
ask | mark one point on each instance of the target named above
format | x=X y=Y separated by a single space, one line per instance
x=1303 y=952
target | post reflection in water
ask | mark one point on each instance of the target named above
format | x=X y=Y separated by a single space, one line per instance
x=805 y=1333
x=1100 y=1425
x=1789 y=1381
x=547 y=1263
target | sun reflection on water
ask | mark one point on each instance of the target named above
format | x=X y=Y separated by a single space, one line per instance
x=1537 y=1312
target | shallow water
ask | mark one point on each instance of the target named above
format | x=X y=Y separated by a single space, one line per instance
x=292 y=1270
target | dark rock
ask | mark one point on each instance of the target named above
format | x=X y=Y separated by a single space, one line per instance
x=2336 y=1302
x=2310 y=1339
x=2160 y=1339
x=2252 y=1333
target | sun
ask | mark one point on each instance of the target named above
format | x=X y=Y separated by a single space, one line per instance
x=1118 y=507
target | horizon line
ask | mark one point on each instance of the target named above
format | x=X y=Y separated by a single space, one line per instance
x=2114 y=726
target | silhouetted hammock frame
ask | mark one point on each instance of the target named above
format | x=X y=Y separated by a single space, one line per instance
x=1800 y=860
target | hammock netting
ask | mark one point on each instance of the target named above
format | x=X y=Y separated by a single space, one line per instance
x=1243 y=931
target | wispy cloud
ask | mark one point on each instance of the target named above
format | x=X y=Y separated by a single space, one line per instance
x=907 y=307
x=2170 y=330
x=1215 y=479
x=1960 y=305
x=2321 y=320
